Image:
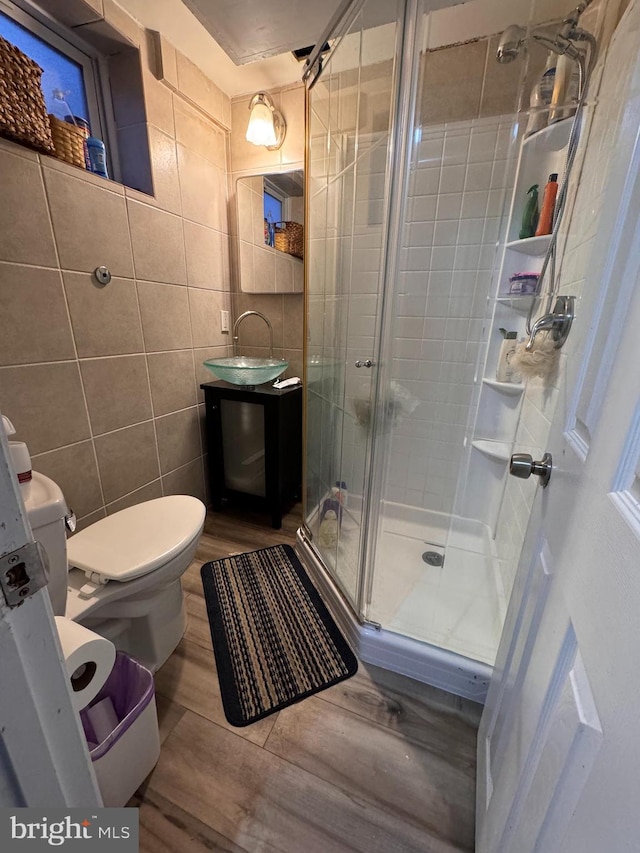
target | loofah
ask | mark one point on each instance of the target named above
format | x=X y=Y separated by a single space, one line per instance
x=542 y=360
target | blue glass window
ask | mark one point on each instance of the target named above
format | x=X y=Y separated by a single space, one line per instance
x=60 y=73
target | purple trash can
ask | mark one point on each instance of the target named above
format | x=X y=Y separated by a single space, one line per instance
x=125 y=755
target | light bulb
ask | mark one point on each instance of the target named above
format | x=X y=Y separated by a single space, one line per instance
x=261 y=130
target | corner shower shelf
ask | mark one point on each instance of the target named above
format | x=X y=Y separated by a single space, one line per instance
x=500 y=451
x=535 y=246
x=504 y=387
x=518 y=303
x=553 y=137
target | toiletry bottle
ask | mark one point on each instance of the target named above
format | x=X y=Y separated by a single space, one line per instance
x=20 y=456
x=565 y=89
x=504 y=371
x=548 y=79
x=545 y=222
x=339 y=492
x=97 y=156
x=537 y=115
x=530 y=215
x=328 y=533
x=541 y=95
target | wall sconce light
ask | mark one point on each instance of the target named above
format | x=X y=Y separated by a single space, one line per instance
x=266 y=124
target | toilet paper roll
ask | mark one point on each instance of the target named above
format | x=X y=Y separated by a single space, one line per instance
x=103 y=718
x=89 y=659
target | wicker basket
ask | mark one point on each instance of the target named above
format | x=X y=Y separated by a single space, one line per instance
x=290 y=238
x=68 y=141
x=23 y=115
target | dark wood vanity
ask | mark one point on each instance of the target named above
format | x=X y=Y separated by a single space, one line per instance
x=254 y=439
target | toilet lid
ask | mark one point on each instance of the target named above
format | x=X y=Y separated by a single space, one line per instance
x=137 y=540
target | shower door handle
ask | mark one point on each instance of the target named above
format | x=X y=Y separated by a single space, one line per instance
x=366 y=363
x=522 y=465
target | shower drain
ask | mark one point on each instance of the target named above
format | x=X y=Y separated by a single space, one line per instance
x=432 y=558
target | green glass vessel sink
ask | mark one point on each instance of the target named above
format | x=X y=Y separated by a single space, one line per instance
x=243 y=370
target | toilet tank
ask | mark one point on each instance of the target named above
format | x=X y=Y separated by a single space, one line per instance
x=47 y=509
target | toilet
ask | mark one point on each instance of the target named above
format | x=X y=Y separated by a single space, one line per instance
x=120 y=576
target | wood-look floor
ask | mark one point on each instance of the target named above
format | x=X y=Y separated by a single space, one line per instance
x=376 y=763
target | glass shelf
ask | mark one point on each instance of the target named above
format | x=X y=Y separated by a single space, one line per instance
x=518 y=303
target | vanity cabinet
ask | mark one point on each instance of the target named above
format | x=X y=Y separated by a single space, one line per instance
x=254 y=445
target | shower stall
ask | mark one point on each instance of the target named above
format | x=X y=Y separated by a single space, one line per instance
x=417 y=172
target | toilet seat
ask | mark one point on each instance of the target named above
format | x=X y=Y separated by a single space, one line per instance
x=137 y=540
x=137 y=556
x=131 y=598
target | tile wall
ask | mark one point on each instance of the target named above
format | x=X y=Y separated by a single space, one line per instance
x=102 y=382
x=463 y=81
x=459 y=183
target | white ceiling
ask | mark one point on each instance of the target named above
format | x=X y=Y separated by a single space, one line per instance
x=249 y=30
x=178 y=24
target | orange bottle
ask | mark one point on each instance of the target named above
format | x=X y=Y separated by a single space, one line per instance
x=545 y=222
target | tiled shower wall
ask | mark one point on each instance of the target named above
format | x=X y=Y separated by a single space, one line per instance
x=102 y=382
x=457 y=191
x=460 y=177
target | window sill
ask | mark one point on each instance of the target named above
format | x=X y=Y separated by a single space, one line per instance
x=49 y=162
x=83 y=174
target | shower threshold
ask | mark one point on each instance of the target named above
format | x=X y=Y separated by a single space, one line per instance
x=398 y=652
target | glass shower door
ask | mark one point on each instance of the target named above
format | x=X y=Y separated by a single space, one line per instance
x=349 y=122
x=430 y=567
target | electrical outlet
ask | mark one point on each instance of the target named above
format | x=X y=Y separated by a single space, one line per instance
x=224 y=321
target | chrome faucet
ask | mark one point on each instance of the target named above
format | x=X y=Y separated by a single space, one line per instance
x=262 y=317
x=558 y=322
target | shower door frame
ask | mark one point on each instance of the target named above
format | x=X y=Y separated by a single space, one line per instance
x=344 y=18
x=395 y=195
x=399 y=165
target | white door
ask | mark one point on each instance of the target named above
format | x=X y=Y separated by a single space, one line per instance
x=559 y=742
x=43 y=755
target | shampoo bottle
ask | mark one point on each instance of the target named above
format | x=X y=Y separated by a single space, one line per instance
x=548 y=79
x=541 y=95
x=505 y=372
x=545 y=222
x=565 y=89
x=530 y=215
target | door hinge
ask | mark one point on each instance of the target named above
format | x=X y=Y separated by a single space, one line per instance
x=23 y=572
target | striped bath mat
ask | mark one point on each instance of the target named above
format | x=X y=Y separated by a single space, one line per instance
x=274 y=640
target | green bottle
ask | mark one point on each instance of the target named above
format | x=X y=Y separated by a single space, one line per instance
x=530 y=215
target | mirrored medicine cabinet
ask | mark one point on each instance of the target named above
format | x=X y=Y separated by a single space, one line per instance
x=270 y=216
